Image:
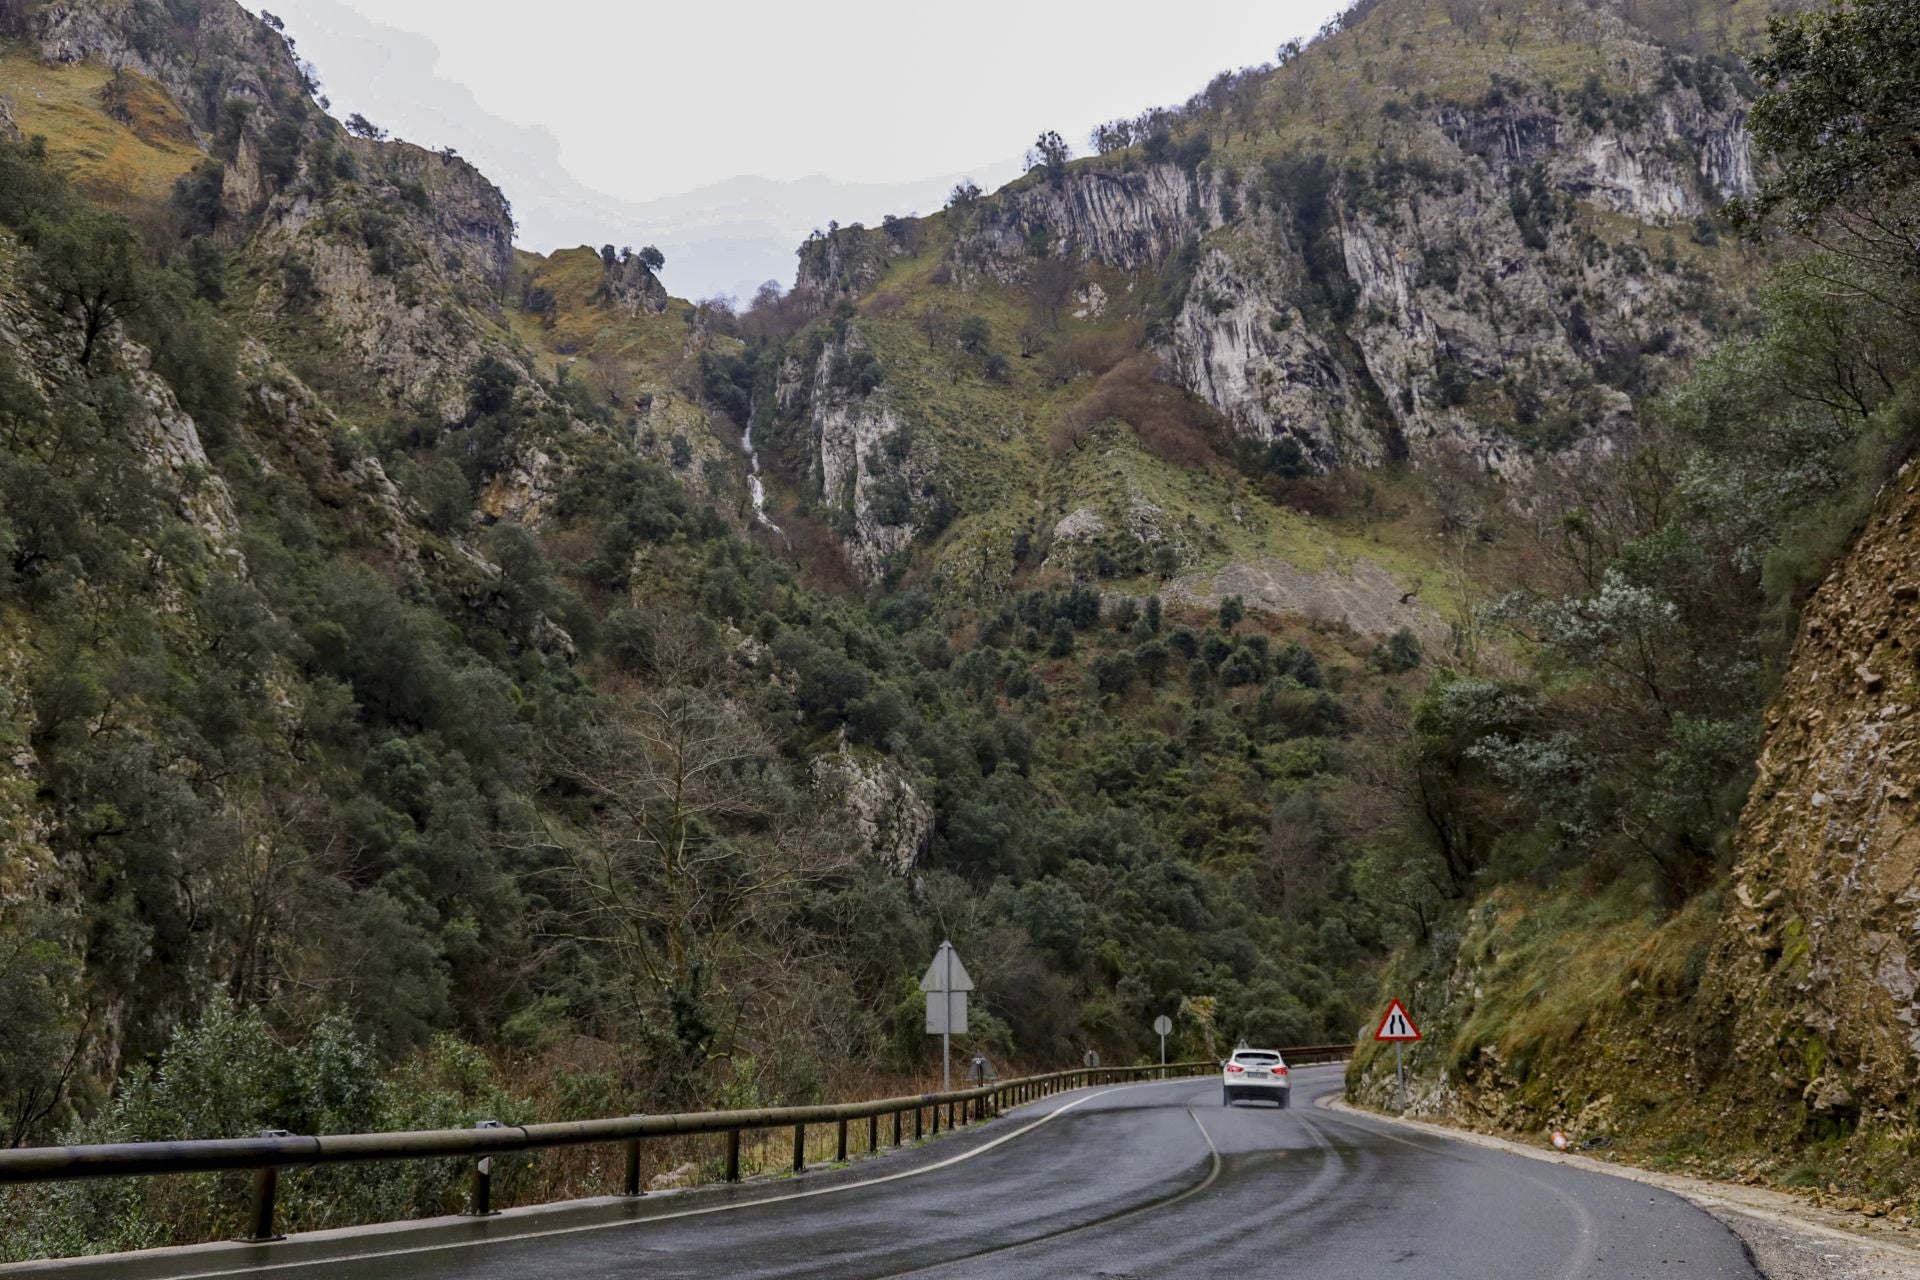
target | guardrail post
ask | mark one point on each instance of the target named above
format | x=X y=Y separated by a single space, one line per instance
x=842 y=1157
x=935 y=1108
x=733 y=1155
x=799 y=1147
x=633 y=1165
x=266 y=1190
x=898 y=1117
x=873 y=1134
x=481 y=1203
x=919 y=1130
x=266 y=1184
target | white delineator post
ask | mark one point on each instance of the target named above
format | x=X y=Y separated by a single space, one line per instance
x=946 y=1026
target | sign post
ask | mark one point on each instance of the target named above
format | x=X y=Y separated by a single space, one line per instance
x=1162 y=1025
x=1397 y=1029
x=946 y=984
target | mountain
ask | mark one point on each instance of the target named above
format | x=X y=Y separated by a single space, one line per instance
x=722 y=240
x=1346 y=535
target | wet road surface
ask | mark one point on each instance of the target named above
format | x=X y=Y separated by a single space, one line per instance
x=1156 y=1180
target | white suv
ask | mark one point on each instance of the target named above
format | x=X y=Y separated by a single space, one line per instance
x=1256 y=1073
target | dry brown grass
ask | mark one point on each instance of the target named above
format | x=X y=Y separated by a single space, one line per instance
x=124 y=145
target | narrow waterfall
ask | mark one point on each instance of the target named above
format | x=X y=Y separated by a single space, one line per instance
x=756 y=489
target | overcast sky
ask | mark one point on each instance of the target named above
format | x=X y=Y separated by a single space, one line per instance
x=652 y=99
x=725 y=133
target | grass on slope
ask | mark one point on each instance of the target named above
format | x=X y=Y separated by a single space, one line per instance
x=120 y=160
x=1008 y=467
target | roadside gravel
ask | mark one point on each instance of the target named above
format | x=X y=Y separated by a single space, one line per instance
x=1783 y=1253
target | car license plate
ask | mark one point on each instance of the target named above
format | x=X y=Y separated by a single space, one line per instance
x=1261 y=1075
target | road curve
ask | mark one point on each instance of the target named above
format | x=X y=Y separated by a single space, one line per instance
x=1156 y=1180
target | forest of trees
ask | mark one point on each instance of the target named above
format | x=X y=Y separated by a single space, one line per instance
x=350 y=840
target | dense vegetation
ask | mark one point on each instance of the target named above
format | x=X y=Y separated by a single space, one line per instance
x=340 y=802
x=354 y=832
x=1585 y=805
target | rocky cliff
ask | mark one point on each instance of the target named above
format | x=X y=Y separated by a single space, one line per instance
x=396 y=257
x=1816 y=977
x=871 y=471
x=1491 y=269
x=1428 y=236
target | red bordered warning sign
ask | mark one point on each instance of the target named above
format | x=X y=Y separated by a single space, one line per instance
x=1397 y=1025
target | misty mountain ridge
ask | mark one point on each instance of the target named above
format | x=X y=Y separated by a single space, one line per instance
x=723 y=239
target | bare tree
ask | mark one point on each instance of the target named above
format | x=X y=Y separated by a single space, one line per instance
x=1074 y=429
x=275 y=857
x=686 y=839
x=936 y=321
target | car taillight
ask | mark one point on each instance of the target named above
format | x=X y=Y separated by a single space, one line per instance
x=1279 y=1071
x=1234 y=1068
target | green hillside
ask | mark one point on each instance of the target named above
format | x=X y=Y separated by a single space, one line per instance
x=1346 y=532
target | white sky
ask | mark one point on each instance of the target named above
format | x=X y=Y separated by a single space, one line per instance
x=652 y=99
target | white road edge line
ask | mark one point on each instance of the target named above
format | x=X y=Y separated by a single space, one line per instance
x=949 y=1162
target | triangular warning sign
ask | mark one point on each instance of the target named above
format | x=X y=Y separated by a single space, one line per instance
x=1397 y=1025
x=946 y=962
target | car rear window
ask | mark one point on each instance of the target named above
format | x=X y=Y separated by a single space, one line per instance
x=1256 y=1057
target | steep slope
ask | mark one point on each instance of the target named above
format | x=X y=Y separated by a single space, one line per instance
x=357 y=575
x=1818 y=963
x=1765 y=1030
x=1441 y=236
x=1675 y=909
x=385 y=268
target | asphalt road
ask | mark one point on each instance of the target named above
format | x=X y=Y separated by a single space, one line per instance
x=1155 y=1180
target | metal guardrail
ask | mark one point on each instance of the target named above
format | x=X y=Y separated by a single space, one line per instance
x=276 y=1150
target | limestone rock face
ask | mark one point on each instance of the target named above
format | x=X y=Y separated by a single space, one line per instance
x=406 y=268
x=870 y=468
x=1459 y=290
x=1127 y=220
x=1242 y=344
x=633 y=288
x=841 y=263
x=1818 y=963
x=895 y=820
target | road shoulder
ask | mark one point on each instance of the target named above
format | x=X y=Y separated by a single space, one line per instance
x=1788 y=1238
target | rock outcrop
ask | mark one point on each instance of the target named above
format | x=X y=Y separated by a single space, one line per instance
x=871 y=470
x=1460 y=286
x=895 y=821
x=1817 y=972
x=632 y=287
x=406 y=267
x=1131 y=220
